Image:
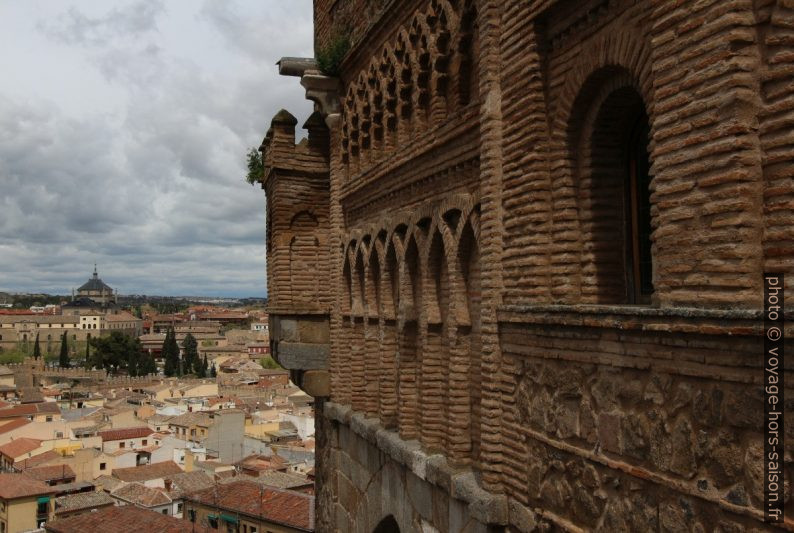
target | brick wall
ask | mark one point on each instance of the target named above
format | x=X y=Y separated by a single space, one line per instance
x=478 y=261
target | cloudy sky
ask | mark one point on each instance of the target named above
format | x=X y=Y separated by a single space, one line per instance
x=123 y=131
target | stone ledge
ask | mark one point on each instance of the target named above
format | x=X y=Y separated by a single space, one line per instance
x=742 y=322
x=297 y=309
x=484 y=506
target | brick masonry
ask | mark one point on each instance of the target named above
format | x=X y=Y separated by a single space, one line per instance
x=486 y=371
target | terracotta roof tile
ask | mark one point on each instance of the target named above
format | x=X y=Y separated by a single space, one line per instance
x=146 y=472
x=36 y=460
x=51 y=473
x=286 y=507
x=82 y=500
x=141 y=495
x=13 y=424
x=20 y=485
x=19 y=447
x=125 y=433
x=188 y=482
x=124 y=519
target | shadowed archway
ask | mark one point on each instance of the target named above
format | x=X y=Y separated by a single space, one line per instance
x=387 y=525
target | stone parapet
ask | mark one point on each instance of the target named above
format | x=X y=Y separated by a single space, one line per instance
x=436 y=492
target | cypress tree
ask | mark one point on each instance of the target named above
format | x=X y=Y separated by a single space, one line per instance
x=148 y=366
x=213 y=372
x=191 y=360
x=171 y=354
x=133 y=363
x=87 y=354
x=202 y=367
x=166 y=354
x=36 y=348
x=63 y=360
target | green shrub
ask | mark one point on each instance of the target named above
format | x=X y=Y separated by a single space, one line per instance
x=269 y=362
x=329 y=59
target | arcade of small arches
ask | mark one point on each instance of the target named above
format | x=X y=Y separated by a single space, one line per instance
x=411 y=326
x=425 y=75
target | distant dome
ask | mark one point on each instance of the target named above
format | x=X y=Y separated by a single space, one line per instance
x=94 y=286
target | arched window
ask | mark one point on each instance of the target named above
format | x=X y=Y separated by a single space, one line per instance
x=638 y=213
x=610 y=147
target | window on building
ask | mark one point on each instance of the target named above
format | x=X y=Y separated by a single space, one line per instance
x=191 y=514
x=165 y=511
x=213 y=521
x=42 y=507
x=179 y=508
x=613 y=176
x=639 y=212
x=143 y=442
x=49 y=418
x=122 y=444
x=102 y=466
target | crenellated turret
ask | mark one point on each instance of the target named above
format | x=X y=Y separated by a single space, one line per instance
x=296 y=182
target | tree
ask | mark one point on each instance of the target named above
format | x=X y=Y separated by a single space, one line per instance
x=256 y=166
x=63 y=360
x=36 y=349
x=171 y=354
x=190 y=356
x=132 y=363
x=87 y=354
x=147 y=365
x=117 y=351
x=213 y=372
x=202 y=368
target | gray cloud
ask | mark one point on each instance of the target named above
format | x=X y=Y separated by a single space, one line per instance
x=74 y=27
x=150 y=183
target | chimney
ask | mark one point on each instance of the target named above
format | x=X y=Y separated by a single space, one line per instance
x=168 y=485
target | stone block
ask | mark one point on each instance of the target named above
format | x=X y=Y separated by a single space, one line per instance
x=441 y=508
x=314 y=331
x=361 y=476
x=287 y=330
x=301 y=356
x=316 y=383
x=420 y=495
x=439 y=472
x=522 y=518
x=458 y=516
x=346 y=493
x=342 y=518
x=608 y=432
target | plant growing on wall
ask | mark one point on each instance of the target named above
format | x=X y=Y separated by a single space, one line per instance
x=329 y=58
